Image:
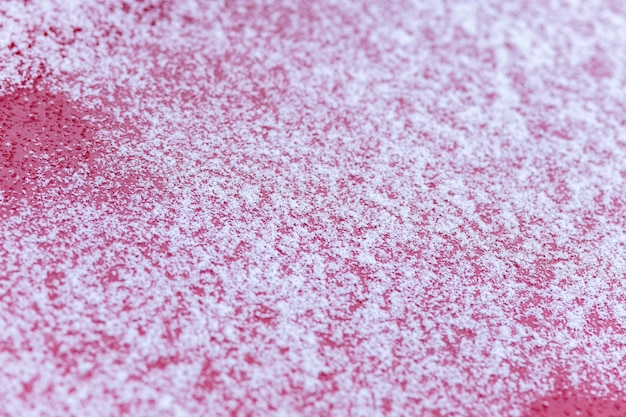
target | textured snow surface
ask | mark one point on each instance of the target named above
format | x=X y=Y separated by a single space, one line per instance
x=326 y=208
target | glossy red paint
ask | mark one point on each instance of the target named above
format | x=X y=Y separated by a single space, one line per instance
x=45 y=141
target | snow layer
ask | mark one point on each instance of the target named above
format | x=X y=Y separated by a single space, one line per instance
x=332 y=208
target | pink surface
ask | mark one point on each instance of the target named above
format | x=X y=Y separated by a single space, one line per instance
x=354 y=208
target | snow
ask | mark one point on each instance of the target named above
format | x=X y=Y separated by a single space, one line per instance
x=329 y=208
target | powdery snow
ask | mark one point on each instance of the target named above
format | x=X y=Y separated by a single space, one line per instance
x=330 y=208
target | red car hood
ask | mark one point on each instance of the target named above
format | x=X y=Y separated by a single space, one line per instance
x=355 y=208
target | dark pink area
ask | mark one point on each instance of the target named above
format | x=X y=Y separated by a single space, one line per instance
x=564 y=400
x=45 y=140
x=573 y=403
x=579 y=401
x=51 y=150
